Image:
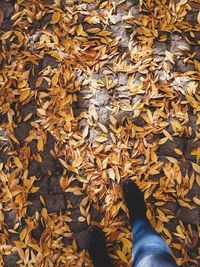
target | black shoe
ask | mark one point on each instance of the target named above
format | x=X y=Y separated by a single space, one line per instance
x=134 y=199
x=96 y=247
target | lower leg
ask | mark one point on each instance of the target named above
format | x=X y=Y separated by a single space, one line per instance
x=149 y=249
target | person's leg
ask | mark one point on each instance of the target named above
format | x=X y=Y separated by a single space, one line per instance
x=149 y=249
x=96 y=247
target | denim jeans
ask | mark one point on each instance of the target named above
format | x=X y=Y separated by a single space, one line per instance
x=149 y=249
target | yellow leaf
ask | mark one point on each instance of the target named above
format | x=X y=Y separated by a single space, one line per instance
x=104 y=33
x=183 y=2
x=20 y=36
x=40 y=145
x=198 y=18
x=41 y=111
x=42 y=200
x=169 y=57
x=166 y=232
x=92 y=112
x=22 y=84
x=23 y=234
x=127 y=243
x=196 y=167
x=111 y=173
x=171 y=159
x=162 y=216
x=149 y=214
x=122 y=256
x=85 y=131
x=183 y=48
x=18 y=162
x=92 y=20
x=55 y=18
x=24 y=95
x=6 y=35
x=68 y=167
x=149 y=114
x=196 y=200
x=54 y=79
x=103 y=128
x=88 y=1
x=80 y=31
x=63 y=183
x=178 y=151
x=34 y=189
x=162 y=140
x=35 y=247
x=77 y=162
x=168 y=135
x=63 y=163
x=101 y=139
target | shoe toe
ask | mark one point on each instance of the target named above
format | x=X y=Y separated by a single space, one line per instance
x=128 y=186
x=93 y=236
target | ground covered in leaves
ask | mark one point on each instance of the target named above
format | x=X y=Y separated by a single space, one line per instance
x=93 y=93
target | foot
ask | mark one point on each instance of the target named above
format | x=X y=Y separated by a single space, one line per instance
x=134 y=199
x=96 y=247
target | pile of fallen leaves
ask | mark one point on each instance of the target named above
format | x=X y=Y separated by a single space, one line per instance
x=62 y=58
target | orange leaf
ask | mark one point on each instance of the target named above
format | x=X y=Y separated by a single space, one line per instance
x=55 y=18
x=122 y=256
x=18 y=162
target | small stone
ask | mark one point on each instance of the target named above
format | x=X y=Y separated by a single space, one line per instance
x=159 y=49
x=54 y=183
x=197 y=52
x=74 y=200
x=43 y=184
x=119 y=32
x=189 y=216
x=183 y=66
x=55 y=203
x=27 y=109
x=33 y=147
x=81 y=105
x=34 y=169
x=102 y=97
x=122 y=79
x=49 y=61
x=177 y=41
x=45 y=19
x=186 y=167
x=123 y=114
x=22 y=131
x=8 y=8
x=37 y=232
x=190 y=147
x=167 y=149
x=11 y=260
x=191 y=17
x=92 y=135
x=104 y=116
x=172 y=206
x=193 y=127
x=10 y=218
x=35 y=206
x=75 y=225
x=48 y=162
